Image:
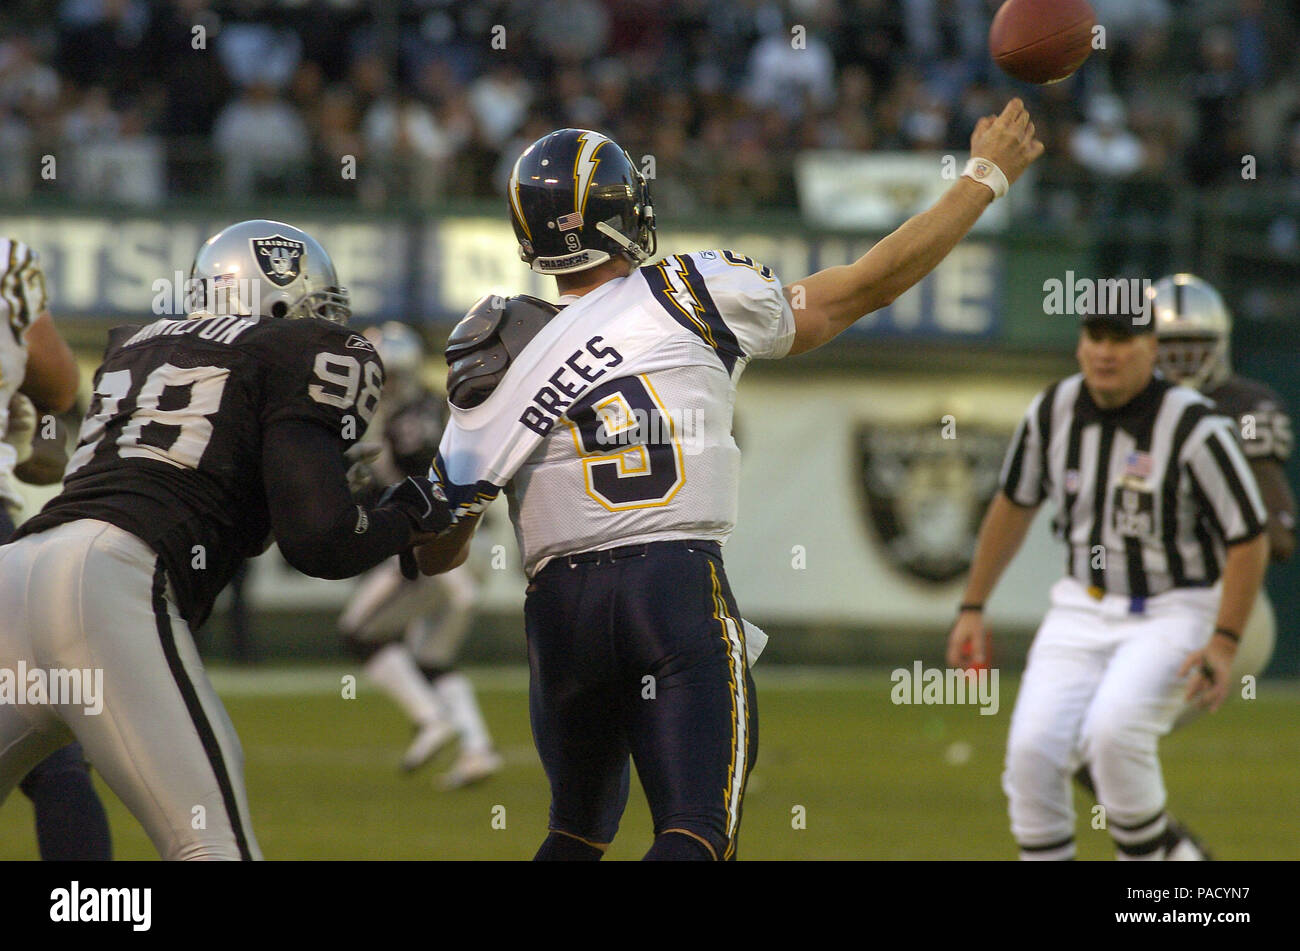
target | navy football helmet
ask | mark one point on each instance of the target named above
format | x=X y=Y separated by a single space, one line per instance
x=576 y=200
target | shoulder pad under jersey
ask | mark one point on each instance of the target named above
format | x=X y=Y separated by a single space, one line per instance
x=120 y=335
x=487 y=340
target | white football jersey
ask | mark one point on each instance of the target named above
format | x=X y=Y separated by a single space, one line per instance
x=613 y=427
x=22 y=300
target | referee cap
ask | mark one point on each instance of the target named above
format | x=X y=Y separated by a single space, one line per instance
x=1123 y=305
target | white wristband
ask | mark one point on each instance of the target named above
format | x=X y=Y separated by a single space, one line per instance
x=986 y=173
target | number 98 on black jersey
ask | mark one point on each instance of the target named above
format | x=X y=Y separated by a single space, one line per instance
x=171 y=446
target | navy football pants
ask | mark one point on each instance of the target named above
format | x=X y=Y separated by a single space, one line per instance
x=640 y=651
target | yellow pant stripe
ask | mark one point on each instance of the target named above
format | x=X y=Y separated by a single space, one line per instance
x=733 y=636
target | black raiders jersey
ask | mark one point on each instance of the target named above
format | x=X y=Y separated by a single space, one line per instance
x=171 y=446
x=414 y=430
x=1262 y=424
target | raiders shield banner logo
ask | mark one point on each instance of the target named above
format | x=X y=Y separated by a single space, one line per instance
x=279 y=258
x=924 y=496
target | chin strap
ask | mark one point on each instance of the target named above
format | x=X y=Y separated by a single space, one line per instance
x=634 y=251
x=637 y=253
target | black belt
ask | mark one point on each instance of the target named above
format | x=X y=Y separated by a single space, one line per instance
x=612 y=555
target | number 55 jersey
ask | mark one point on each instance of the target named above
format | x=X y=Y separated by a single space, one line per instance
x=613 y=426
x=171 y=446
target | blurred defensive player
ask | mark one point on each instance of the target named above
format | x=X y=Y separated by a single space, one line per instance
x=38 y=374
x=409 y=631
x=204 y=435
x=1193 y=336
x=608 y=420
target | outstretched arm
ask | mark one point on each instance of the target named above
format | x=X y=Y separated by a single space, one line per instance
x=828 y=302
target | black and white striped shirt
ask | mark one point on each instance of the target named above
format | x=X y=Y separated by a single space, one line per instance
x=1146 y=495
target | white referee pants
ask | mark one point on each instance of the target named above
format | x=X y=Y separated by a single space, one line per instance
x=1101 y=687
x=87 y=595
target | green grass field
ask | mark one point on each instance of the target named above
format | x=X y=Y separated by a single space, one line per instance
x=875 y=780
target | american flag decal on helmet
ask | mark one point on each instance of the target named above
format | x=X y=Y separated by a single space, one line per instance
x=569 y=222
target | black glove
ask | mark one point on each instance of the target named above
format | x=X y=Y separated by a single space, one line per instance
x=421 y=501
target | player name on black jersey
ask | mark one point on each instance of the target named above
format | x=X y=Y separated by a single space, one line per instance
x=225 y=329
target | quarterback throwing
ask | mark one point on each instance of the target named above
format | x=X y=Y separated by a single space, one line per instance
x=637 y=649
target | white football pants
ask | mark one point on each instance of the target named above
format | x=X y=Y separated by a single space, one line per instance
x=1100 y=686
x=87 y=595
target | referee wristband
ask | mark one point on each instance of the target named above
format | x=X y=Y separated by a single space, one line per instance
x=970 y=607
x=1230 y=635
x=987 y=173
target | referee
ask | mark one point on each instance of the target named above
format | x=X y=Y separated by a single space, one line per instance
x=1163 y=529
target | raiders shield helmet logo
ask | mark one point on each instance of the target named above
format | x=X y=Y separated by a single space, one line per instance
x=279 y=258
x=924 y=496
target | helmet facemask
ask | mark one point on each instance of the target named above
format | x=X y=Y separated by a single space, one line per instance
x=1192 y=361
x=329 y=303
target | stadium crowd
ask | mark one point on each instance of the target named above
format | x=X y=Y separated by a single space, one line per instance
x=143 y=100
